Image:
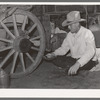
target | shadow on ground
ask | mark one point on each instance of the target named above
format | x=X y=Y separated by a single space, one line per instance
x=48 y=76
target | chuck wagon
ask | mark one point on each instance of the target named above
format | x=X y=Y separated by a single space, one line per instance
x=22 y=40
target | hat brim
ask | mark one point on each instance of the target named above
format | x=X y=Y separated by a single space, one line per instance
x=66 y=23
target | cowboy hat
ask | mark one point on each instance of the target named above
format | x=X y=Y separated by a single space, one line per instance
x=72 y=17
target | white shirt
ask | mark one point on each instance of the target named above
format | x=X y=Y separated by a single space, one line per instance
x=57 y=31
x=80 y=44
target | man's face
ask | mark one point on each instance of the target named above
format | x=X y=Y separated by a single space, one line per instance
x=74 y=27
x=52 y=25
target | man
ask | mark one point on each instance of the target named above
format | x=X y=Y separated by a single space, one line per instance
x=80 y=42
x=57 y=35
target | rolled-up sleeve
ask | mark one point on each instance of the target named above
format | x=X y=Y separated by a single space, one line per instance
x=63 y=49
x=90 y=49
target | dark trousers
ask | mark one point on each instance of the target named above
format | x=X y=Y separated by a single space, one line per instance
x=67 y=62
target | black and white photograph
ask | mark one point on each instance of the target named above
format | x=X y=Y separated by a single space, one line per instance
x=50 y=46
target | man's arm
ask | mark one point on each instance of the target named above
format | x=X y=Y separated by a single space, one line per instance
x=63 y=49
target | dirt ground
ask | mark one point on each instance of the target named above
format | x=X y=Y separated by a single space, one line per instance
x=49 y=76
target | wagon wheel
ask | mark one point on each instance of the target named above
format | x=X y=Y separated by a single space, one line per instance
x=24 y=46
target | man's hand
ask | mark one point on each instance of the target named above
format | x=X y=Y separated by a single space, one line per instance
x=50 y=55
x=73 y=69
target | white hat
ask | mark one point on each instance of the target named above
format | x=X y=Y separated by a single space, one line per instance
x=72 y=17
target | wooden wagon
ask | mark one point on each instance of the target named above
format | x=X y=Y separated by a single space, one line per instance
x=22 y=40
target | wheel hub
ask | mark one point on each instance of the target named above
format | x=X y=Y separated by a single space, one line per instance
x=22 y=44
x=25 y=45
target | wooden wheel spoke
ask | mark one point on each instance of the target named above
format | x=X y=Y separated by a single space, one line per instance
x=24 y=23
x=15 y=25
x=7 y=30
x=5 y=40
x=34 y=48
x=32 y=28
x=14 y=62
x=22 y=61
x=5 y=48
x=34 y=38
x=6 y=58
x=28 y=55
x=36 y=43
